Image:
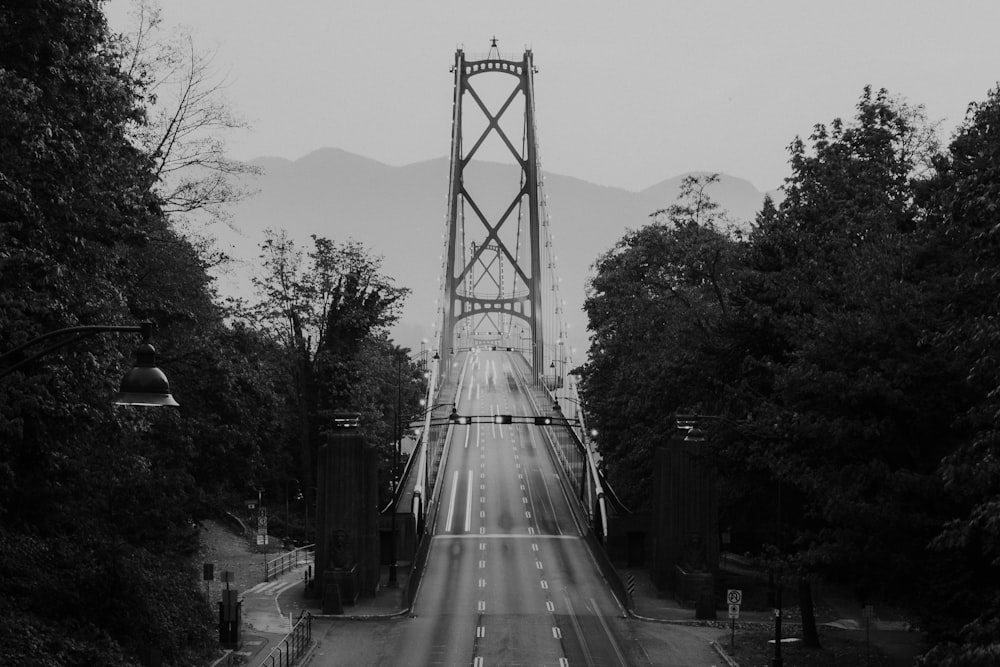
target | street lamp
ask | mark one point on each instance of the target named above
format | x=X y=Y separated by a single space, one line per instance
x=144 y=384
x=288 y=518
x=305 y=498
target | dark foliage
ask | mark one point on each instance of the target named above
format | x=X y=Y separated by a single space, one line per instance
x=845 y=353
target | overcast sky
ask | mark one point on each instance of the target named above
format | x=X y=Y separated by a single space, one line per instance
x=628 y=93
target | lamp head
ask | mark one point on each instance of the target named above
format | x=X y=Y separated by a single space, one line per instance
x=145 y=384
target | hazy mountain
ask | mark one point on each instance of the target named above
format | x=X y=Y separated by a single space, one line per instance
x=399 y=213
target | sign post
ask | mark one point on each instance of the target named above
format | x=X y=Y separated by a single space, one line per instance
x=734 y=596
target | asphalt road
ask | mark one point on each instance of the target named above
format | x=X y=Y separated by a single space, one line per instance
x=509 y=579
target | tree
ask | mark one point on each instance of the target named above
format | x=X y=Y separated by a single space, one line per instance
x=326 y=314
x=654 y=309
x=189 y=118
x=91 y=575
x=960 y=261
x=842 y=396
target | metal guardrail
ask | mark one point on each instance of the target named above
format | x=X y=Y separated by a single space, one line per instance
x=293 y=646
x=288 y=561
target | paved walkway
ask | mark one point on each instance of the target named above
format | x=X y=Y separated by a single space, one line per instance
x=269 y=609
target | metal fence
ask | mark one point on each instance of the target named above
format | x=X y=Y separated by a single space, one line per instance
x=288 y=561
x=293 y=646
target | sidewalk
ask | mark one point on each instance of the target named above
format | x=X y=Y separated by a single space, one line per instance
x=267 y=606
x=833 y=610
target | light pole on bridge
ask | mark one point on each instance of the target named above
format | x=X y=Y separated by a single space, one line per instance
x=393 y=557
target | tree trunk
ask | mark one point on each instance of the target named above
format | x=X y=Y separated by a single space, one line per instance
x=810 y=636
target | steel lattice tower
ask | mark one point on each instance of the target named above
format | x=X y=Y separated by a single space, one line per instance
x=492 y=291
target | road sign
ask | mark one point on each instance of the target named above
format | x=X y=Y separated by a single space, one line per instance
x=734 y=611
x=734 y=596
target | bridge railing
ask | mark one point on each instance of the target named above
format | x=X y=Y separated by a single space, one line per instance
x=573 y=454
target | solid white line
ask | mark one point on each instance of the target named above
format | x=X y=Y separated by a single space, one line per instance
x=607 y=631
x=468 y=505
x=545 y=487
x=451 y=503
x=587 y=655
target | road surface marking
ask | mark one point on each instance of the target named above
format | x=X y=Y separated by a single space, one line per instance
x=451 y=503
x=587 y=655
x=468 y=505
x=607 y=631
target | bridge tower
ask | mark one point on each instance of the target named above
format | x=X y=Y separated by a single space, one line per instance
x=493 y=291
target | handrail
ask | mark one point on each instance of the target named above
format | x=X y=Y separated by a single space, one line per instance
x=288 y=560
x=293 y=646
x=599 y=491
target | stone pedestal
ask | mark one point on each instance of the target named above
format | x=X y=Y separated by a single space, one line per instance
x=698 y=590
x=340 y=587
x=332 y=603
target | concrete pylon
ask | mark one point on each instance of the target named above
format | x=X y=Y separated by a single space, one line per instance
x=347 y=549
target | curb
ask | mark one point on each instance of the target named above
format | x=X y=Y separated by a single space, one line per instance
x=364 y=617
x=722 y=654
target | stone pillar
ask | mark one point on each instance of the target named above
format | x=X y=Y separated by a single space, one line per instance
x=347 y=550
x=685 y=522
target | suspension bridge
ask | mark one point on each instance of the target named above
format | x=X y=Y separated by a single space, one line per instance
x=502 y=508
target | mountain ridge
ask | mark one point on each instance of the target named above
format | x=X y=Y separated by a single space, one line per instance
x=398 y=212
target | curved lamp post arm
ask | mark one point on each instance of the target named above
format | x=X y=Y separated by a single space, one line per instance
x=69 y=336
x=144 y=384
